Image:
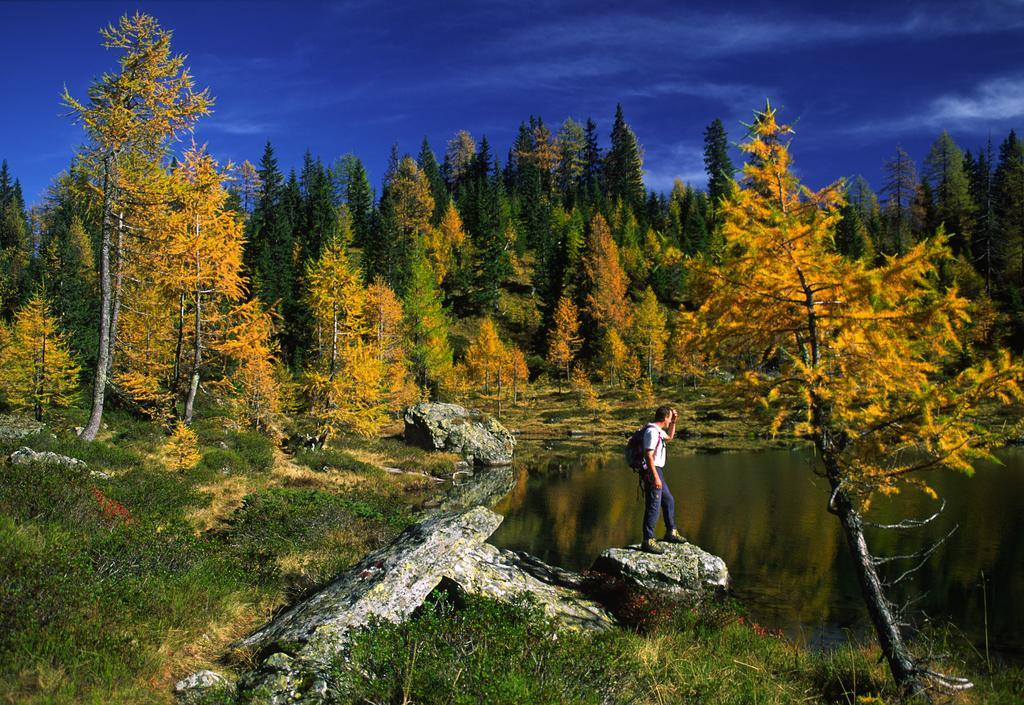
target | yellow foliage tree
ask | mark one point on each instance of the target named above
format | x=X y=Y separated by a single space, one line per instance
x=486 y=355
x=443 y=243
x=564 y=337
x=413 y=203
x=183 y=447
x=862 y=354
x=650 y=332
x=384 y=319
x=518 y=371
x=586 y=395
x=131 y=117
x=354 y=400
x=607 y=284
x=36 y=366
x=203 y=250
x=252 y=384
x=338 y=302
x=684 y=355
x=612 y=355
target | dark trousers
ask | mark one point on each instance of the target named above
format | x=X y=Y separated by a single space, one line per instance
x=658 y=499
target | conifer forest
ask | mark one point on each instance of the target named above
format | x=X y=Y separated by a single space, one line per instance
x=208 y=364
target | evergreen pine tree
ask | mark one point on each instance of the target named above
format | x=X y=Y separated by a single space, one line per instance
x=430 y=354
x=718 y=165
x=359 y=197
x=623 y=166
x=899 y=189
x=984 y=243
x=427 y=163
x=945 y=174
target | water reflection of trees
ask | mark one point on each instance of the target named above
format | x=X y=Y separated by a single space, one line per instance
x=765 y=516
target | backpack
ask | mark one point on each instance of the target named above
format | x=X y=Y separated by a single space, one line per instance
x=635 y=448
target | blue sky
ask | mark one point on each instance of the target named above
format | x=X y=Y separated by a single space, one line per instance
x=358 y=75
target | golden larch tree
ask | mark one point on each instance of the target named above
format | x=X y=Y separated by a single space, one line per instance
x=613 y=355
x=338 y=302
x=564 y=338
x=443 y=243
x=518 y=371
x=857 y=358
x=37 y=369
x=384 y=319
x=650 y=330
x=607 y=285
x=183 y=447
x=486 y=355
x=131 y=116
x=204 y=255
x=252 y=383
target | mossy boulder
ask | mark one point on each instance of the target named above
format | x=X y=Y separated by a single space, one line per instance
x=456 y=429
x=684 y=570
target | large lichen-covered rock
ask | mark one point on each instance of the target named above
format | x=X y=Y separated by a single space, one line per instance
x=499 y=574
x=387 y=585
x=27 y=456
x=684 y=569
x=453 y=428
x=16 y=428
x=201 y=686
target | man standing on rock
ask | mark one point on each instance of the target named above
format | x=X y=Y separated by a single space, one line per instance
x=656 y=493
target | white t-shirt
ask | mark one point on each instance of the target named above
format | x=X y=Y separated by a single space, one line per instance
x=654 y=439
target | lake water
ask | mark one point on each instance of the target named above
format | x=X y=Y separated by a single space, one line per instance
x=764 y=513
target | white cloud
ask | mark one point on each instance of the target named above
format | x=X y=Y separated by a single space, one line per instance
x=997 y=99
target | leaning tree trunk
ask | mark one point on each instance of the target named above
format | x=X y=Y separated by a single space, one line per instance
x=902 y=664
x=99 y=385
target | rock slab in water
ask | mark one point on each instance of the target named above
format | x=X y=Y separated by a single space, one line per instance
x=453 y=428
x=27 y=456
x=684 y=569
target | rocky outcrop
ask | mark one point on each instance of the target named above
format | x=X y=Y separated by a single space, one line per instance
x=388 y=584
x=684 y=569
x=455 y=429
x=27 y=456
x=447 y=549
x=16 y=428
x=198 y=687
x=493 y=572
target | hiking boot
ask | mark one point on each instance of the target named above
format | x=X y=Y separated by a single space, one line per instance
x=674 y=536
x=648 y=546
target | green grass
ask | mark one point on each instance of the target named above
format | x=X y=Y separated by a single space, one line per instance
x=474 y=650
x=110 y=593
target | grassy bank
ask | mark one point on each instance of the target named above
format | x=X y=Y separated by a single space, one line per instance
x=467 y=651
x=115 y=587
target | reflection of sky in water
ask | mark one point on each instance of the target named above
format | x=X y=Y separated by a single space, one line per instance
x=764 y=513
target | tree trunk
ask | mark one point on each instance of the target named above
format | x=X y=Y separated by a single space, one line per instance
x=99 y=385
x=499 y=392
x=41 y=387
x=115 y=306
x=197 y=358
x=334 y=343
x=894 y=648
x=179 y=345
